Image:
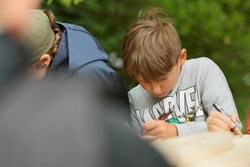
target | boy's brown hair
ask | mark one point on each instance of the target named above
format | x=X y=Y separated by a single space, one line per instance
x=151 y=46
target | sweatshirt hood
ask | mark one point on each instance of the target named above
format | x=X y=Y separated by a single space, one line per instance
x=77 y=48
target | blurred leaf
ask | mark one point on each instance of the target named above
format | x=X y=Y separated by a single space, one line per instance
x=49 y=2
x=76 y=2
x=66 y=3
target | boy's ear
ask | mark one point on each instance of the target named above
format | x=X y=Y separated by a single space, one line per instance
x=183 y=56
x=45 y=60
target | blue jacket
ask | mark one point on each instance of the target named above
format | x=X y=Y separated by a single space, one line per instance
x=81 y=56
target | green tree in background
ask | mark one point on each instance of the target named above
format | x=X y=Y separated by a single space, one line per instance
x=218 y=29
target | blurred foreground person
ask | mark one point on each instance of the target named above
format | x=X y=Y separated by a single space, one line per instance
x=13 y=21
x=56 y=124
x=13 y=16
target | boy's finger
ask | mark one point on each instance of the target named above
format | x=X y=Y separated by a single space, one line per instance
x=216 y=128
x=147 y=123
x=150 y=125
x=216 y=122
x=149 y=138
x=229 y=122
x=234 y=117
x=152 y=132
x=223 y=118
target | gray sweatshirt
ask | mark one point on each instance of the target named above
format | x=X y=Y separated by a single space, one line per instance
x=201 y=83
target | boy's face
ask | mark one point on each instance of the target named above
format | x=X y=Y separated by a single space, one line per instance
x=165 y=84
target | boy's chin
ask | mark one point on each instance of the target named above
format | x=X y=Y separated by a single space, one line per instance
x=161 y=95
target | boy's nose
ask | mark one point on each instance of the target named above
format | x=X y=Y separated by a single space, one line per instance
x=155 y=89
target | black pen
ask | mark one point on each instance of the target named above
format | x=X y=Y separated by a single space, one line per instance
x=235 y=129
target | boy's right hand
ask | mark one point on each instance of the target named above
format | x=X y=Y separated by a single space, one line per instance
x=217 y=121
x=160 y=129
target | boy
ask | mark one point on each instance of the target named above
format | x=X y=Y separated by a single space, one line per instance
x=153 y=55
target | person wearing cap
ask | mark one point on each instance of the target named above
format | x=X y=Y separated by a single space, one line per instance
x=13 y=21
x=61 y=50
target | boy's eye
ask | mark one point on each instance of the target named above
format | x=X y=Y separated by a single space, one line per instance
x=162 y=79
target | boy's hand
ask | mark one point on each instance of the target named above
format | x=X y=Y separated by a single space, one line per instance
x=217 y=121
x=160 y=129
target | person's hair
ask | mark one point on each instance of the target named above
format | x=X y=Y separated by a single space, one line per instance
x=151 y=46
x=58 y=35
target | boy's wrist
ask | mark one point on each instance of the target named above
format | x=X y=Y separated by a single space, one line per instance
x=176 y=130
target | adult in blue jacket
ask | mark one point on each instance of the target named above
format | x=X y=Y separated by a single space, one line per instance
x=63 y=51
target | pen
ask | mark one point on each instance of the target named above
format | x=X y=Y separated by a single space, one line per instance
x=235 y=129
x=164 y=115
x=161 y=117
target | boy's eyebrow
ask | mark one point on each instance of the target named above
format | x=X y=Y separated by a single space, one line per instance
x=139 y=80
x=161 y=78
x=165 y=77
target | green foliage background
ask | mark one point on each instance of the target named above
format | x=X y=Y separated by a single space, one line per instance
x=217 y=29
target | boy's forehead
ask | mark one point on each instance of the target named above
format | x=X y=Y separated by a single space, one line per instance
x=140 y=78
x=164 y=75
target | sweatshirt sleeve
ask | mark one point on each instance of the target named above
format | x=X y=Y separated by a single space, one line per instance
x=134 y=120
x=199 y=126
x=214 y=88
x=191 y=127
